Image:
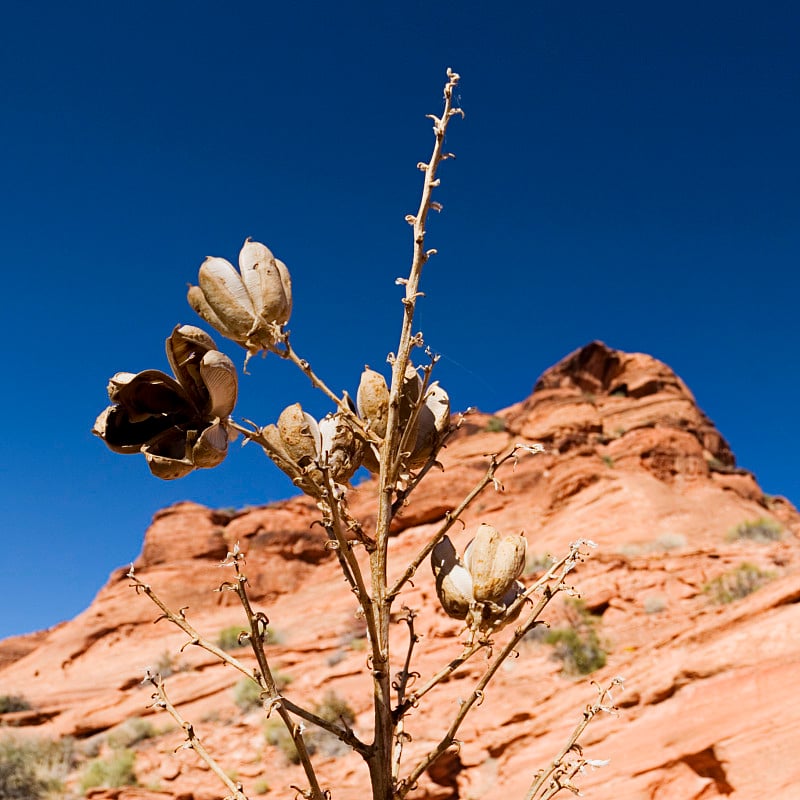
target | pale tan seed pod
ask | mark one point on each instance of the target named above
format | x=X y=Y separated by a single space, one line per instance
x=453 y=582
x=218 y=375
x=410 y=393
x=246 y=306
x=372 y=401
x=267 y=282
x=339 y=448
x=494 y=563
x=276 y=450
x=300 y=434
x=434 y=420
x=227 y=296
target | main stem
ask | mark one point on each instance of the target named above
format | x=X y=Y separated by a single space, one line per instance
x=380 y=759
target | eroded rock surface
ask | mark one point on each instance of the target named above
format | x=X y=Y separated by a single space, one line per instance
x=709 y=708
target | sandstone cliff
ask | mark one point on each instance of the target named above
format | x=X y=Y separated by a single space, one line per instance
x=709 y=709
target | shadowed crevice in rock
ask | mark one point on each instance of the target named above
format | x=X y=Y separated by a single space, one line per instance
x=707 y=765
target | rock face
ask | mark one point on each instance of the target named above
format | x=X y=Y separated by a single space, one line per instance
x=709 y=707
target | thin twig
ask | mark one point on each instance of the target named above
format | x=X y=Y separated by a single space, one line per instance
x=193 y=742
x=558 y=769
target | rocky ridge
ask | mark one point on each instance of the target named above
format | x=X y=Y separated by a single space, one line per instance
x=631 y=463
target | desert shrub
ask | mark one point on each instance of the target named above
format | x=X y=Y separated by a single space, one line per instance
x=760 y=530
x=577 y=645
x=332 y=708
x=131 y=732
x=538 y=562
x=228 y=638
x=261 y=786
x=737 y=583
x=33 y=768
x=116 y=770
x=13 y=702
x=495 y=424
x=247 y=693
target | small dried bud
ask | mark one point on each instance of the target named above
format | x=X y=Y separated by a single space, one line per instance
x=494 y=563
x=248 y=306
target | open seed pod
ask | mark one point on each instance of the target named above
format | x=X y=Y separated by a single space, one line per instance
x=494 y=562
x=495 y=616
x=248 y=306
x=453 y=581
x=179 y=424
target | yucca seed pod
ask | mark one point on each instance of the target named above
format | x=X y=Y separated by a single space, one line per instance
x=340 y=449
x=453 y=581
x=267 y=282
x=434 y=420
x=496 y=616
x=372 y=401
x=494 y=563
x=300 y=434
x=246 y=306
x=179 y=424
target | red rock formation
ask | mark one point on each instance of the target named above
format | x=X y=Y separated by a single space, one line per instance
x=709 y=708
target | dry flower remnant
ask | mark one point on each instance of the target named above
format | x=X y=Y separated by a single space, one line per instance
x=396 y=428
x=179 y=423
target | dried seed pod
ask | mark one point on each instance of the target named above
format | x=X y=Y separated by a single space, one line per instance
x=410 y=393
x=372 y=401
x=248 y=306
x=494 y=563
x=453 y=581
x=434 y=420
x=267 y=282
x=299 y=434
x=178 y=424
x=496 y=616
x=340 y=449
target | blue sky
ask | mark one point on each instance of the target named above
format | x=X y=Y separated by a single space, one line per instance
x=626 y=172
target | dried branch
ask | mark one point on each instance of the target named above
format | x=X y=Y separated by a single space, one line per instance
x=401 y=682
x=561 y=770
x=160 y=700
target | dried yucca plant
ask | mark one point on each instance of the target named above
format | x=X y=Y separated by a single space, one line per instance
x=396 y=430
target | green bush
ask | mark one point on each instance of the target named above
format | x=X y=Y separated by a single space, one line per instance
x=247 y=693
x=760 y=530
x=332 y=708
x=13 y=702
x=31 y=769
x=130 y=732
x=737 y=583
x=495 y=425
x=228 y=638
x=117 y=770
x=578 y=645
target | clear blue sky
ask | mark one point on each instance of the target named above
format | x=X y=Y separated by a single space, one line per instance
x=626 y=171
